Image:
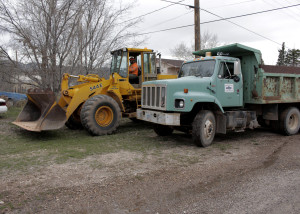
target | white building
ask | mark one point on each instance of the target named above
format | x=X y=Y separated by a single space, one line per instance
x=170 y=66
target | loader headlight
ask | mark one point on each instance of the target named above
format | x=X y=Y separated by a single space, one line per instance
x=179 y=103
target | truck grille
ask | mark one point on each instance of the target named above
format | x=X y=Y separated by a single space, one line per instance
x=154 y=97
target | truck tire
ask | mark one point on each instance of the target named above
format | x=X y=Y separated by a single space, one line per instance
x=204 y=128
x=74 y=122
x=163 y=130
x=290 y=121
x=100 y=115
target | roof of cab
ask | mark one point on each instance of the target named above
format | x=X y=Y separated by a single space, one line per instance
x=209 y=58
x=133 y=50
x=233 y=50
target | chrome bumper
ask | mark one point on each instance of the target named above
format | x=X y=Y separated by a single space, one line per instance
x=170 y=119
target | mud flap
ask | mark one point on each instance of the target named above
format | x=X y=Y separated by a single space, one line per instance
x=41 y=112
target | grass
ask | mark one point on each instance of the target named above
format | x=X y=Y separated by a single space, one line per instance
x=185 y=159
x=7 y=205
x=21 y=149
x=222 y=146
x=12 y=112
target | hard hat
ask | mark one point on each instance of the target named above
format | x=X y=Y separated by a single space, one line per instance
x=131 y=59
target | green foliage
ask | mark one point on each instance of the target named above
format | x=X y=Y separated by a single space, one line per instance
x=290 y=57
x=12 y=112
x=281 y=55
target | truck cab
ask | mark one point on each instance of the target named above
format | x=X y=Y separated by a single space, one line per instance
x=222 y=76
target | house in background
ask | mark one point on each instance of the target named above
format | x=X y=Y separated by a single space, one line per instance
x=23 y=83
x=170 y=66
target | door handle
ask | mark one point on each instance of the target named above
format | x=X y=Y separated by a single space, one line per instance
x=213 y=91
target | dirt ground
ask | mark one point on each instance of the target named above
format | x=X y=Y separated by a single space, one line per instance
x=250 y=172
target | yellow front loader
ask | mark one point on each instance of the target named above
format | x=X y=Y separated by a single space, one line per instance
x=96 y=104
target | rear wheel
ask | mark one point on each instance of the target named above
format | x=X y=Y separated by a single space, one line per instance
x=204 y=128
x=100 y=115
x=290 y=121
x=163 y=130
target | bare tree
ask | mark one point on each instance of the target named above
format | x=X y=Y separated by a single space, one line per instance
x=184 y=52
x=53 y=35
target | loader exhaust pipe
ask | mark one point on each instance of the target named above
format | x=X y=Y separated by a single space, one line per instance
x=41 y=112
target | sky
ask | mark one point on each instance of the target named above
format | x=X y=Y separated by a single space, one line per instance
x=275 y=27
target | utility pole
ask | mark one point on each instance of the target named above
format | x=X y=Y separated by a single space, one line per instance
x=197 y=26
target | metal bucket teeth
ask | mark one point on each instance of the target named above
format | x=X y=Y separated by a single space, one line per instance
x=41 y=112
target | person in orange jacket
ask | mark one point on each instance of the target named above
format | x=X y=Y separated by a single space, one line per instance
x=133 y=70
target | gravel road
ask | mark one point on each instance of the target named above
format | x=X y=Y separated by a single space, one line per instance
x=257 y=172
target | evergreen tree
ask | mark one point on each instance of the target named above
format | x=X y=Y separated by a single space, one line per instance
x=292 y=58
x=281 y=55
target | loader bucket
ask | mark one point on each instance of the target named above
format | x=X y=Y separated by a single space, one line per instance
x=41 y=112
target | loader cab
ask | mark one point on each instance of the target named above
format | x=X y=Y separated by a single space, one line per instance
x=145 y=60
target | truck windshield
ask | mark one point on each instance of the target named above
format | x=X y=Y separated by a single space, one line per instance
x=119 y=63
x=198 y=69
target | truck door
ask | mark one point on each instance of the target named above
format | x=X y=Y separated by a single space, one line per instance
x=230 y=84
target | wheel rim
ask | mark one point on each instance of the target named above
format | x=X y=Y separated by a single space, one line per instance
x=208 y=129
x=293 y=121
x=104 y=116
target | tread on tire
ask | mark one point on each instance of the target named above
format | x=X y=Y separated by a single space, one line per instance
x=100 y=115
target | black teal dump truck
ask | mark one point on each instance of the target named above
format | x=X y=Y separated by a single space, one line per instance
x=226 y=89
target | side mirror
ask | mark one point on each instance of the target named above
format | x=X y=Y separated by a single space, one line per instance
x=236 y=79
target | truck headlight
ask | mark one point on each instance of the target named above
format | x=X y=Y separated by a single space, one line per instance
x=179 y=103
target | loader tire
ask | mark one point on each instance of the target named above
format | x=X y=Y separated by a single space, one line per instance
x=100 y=115
x=74 y=122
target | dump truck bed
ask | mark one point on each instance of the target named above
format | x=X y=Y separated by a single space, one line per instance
x=277 y=84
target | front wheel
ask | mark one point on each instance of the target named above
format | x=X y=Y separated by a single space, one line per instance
x=290 y=121
x=100 y=115
x=204 y=128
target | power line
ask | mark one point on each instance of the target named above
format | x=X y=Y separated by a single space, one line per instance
x=154 y=11
x=177 y=17
x=207 y=22
x=226 y=5
x=168 y=20
x=290 y=3
x=285 y=12
x=224 y=19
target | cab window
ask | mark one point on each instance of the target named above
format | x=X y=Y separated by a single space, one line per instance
x=226 y=70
